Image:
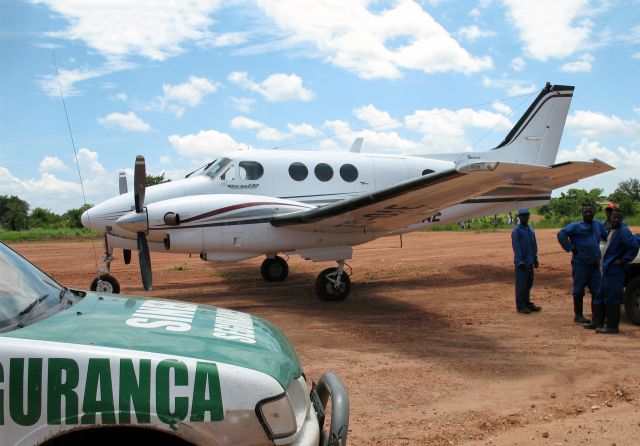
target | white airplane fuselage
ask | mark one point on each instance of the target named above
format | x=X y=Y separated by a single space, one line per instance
x=278 y=182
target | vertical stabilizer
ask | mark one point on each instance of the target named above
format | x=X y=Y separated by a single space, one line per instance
x=535 y=138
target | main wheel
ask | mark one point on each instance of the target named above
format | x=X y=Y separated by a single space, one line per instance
x=105 y=283
x=325 y=287
x=632 y=300
x=275 y=269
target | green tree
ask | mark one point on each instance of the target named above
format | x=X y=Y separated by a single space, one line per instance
x=71 y=218
x=152 y=180
x=569 y=204
x=627 y=196
x=14 y=213
x=43 y=218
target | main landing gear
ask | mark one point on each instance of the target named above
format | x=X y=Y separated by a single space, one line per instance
x=105 y=282
x=333 y=284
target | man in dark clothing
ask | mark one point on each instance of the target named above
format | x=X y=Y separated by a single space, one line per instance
x=525 y=258
x=582 y=238
x=621 y=248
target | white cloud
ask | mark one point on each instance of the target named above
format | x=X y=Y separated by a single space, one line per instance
x=636 y=56
x=517 y=63
x=444 y=130
x=277 y=87
x=374 y=141
x=587 y=150
x=372 y=44
x=51 y=163
x=551 y=28
x=121 y=97
x=164 y=159
x=501 y=107
x=176 y=98
x=375 y=117
x=511 y=86
x=473 y=33
x=242 y=104
x=129 y=121
x=582 y=65
x=121 y=28
x=264 y=132
x=68 y=78
x=206 y=145
x=303 y=129
x=89 y=162
x=590 y=124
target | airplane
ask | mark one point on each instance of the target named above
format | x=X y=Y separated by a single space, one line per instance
x=319 y=205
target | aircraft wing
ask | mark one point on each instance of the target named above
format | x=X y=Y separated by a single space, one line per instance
x=409 y=202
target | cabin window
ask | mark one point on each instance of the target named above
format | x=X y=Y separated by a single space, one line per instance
x=427 y=171
x=323 y=172
x=250 y=170
x=214 y=170
x=349 y=173
x=298 y=171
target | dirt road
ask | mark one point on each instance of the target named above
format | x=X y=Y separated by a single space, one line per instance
x=428 y=344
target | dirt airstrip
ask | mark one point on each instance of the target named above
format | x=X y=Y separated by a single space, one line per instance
x=428 y=344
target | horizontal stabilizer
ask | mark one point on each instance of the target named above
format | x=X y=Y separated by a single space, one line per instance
x=564 y=174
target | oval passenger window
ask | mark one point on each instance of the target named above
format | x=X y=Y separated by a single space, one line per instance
x=349 y=173
x=323 y=172
x=298 y=171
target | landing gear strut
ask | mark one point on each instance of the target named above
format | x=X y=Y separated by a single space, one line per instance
x=105 y=282
x=333 y=284
x=274 y=269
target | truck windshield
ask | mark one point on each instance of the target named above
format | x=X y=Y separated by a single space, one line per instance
x=26 y=293
x=216 y=168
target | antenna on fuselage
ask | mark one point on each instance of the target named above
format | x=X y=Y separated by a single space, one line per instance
x=357 y=145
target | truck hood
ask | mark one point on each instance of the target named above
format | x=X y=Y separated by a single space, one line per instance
x=173 y=328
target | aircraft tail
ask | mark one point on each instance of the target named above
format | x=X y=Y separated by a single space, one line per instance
x=535 y=138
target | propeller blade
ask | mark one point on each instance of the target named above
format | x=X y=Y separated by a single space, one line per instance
x=145 y=261
x=139 y=177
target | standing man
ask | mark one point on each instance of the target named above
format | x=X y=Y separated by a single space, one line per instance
x=582 y=238
x=607 y=212
x=525 y=258
x=621 y=248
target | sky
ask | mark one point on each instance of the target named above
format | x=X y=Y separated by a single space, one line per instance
x=184 y=81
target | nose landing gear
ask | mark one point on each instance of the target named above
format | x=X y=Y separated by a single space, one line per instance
x=105 y=282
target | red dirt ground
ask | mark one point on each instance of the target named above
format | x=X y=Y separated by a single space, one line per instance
x=428 y=344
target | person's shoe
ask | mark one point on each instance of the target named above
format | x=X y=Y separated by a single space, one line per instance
x=597 y=317
x=580 y=319
x=612 y=317
x=524 y=310
x=534 y=307
x=607 y=330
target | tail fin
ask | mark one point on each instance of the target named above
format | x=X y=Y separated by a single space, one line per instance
x=535 y=138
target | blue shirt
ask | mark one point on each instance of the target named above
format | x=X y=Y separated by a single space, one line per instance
x=585 y=238
x=623 y=246
x=525 y=248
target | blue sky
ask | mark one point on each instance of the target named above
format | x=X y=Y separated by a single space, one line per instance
x=184 y=81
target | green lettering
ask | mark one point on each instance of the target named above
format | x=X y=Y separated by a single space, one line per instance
x=60 y=368
x=203 y=401
x=98 y=375
x=136 y=391
x=34 y=391
x=163 y=392
x=1 y=396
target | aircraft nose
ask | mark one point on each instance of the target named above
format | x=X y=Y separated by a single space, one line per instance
x=85 y=219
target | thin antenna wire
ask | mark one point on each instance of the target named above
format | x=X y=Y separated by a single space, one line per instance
x=73 y=144
x=320 y=138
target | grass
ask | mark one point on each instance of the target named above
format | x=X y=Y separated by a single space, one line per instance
x=180 y=268
x=46 y=233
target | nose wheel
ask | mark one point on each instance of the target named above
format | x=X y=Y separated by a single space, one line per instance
x=274 y=269
x=333 y=284
x=105 y=283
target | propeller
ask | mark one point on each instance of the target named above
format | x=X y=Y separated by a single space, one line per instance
x=139 y=177
x=122 y=183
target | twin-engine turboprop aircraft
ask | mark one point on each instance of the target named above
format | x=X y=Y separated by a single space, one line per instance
x=319 y=205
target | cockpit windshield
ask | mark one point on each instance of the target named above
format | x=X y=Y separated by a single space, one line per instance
x=216 y=168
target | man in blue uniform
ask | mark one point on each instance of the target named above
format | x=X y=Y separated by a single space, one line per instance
x=582 y=238
x=525 y=258
x=621 y=248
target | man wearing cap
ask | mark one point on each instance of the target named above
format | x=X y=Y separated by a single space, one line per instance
x=525 y=258
x=607 y=212
x=621 y=248
x=582 y=239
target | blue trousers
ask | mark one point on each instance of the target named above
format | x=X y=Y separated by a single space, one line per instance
x=611 y=290
x=524 y=282
x=586 y=276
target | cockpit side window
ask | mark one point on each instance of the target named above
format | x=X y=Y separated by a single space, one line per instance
x=250 y=170
x=217 y=168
